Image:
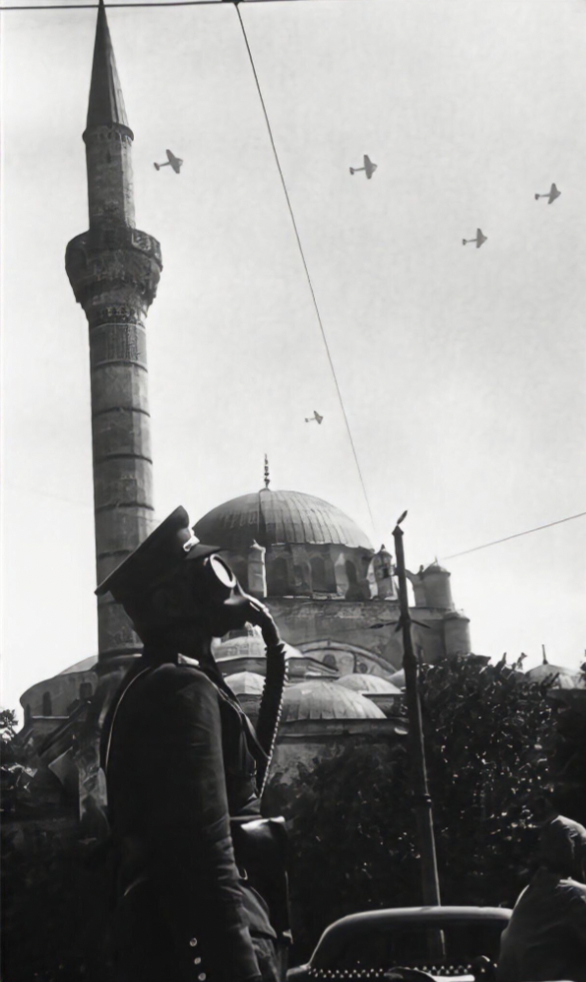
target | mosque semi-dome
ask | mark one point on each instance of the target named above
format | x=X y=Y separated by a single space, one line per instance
x=326 y=700
x=278 y=517
x=246 y=683
x=360 y=682
x=398 y=679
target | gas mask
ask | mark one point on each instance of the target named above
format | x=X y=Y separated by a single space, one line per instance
x=219 y=594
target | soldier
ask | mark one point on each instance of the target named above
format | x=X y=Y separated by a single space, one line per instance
x=546 y=936
x=201 y=888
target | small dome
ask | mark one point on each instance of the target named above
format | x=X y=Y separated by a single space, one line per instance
x=566 y=678
x=278 y=517
x=246 y=683
x=435 y=568
x=326 y=700
x=398 y=679
x=360 y=682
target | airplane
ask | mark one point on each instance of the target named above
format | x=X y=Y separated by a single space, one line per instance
x=172 y=161
x=552 y=194
x=316 y=418
x=480 y=239
x=369 y=168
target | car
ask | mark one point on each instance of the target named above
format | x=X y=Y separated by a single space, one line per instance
x=370 y=945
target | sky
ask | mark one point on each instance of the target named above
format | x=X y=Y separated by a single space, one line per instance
x=461 y=369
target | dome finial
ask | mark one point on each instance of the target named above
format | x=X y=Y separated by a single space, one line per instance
x=267 y=473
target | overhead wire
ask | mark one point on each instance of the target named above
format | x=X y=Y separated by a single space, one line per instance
x=156 y=3
x=305 y=266
x=42 y=493
x=94 y=6
x=517 y=535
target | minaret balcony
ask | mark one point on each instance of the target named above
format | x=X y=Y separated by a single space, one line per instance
x=108 y=259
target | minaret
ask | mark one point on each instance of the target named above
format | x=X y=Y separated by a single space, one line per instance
x=114 y=270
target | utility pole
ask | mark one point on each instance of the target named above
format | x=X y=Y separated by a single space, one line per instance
x=421 y=798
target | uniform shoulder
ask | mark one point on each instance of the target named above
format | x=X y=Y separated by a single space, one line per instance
x=575 y=889
x=171 y=679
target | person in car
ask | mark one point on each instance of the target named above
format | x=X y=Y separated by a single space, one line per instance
x=545 y=940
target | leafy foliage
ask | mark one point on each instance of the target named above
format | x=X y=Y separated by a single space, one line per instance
x=568 y=761
x=54 y=894
x=8 y=724
x=488 y=736
x=54 y=906
x=11 y=753
x=343 y=854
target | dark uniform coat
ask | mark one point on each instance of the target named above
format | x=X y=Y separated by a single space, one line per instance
x=546 y=937
x=181 y=760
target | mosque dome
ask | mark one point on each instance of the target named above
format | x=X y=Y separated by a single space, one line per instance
x=359 y=682
x=278 y=517
x=326 y=700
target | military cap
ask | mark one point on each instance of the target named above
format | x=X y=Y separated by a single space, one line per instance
x=563 y=846
x=171 y=543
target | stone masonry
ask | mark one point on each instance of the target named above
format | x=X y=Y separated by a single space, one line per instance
x=114 y=271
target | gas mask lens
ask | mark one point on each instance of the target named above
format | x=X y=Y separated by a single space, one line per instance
x=220 y=577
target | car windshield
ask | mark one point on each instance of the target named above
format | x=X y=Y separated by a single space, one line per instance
x=400 y=944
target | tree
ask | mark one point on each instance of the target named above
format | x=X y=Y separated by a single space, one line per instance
x=14 y=775
x=568 y=764
x=489 y=734
x=8 y=724
x=353 y=844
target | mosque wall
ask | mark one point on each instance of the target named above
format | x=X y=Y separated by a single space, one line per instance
x=109 y=163
x=350 y=622
x=302 y=743
x=53 y=697
x=308 y=569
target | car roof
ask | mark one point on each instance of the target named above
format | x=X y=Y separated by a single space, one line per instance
x=355 y=924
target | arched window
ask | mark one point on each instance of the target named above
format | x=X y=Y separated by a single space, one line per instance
x=47 y=705
x=85 y=690
x=302 y=587
x=350 y=572
x=356 y=590
x=318 y=575
x=278 y=578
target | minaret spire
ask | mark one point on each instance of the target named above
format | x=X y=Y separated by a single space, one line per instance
x=114 y=270
x=267 y=473
x=106 y=102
